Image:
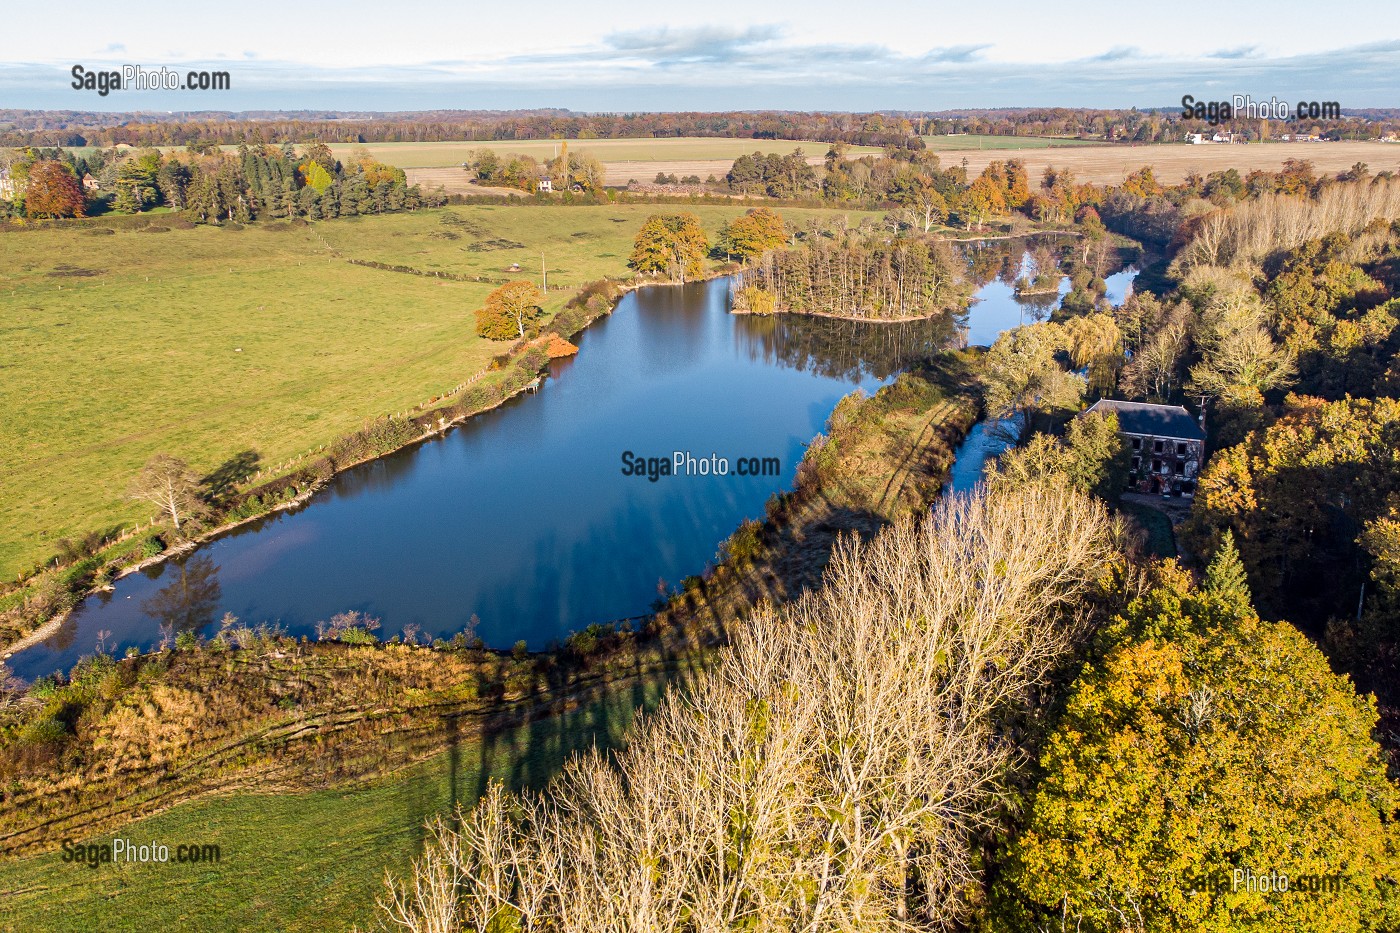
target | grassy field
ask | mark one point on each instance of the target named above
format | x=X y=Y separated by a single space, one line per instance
x=677 y=149
x=295 y=862
x=976 y=141
x=207 y=342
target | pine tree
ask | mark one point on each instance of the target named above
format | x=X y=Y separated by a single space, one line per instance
x=1225 y=577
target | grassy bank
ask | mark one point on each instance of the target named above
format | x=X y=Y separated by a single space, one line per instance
x=298 y=861
x=211 y=343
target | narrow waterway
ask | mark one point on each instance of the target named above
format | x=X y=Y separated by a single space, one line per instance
x=525 y=522
x=984 y=442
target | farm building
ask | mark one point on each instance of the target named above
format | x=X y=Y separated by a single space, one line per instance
x=1167 y=445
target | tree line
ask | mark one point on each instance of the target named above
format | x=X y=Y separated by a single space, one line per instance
x=900 y=129
x=209 y=185
x=860 y=759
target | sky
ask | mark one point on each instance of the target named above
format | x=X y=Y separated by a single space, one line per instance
x=719 y=55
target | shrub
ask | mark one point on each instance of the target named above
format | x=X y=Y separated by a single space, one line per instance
x=388 y=434
x=44 y=687
x=588 y=641
x=358 y=636
x=755 y=300
x=533 y=360
x=351 y=628
x=47 y=731
x=745 y=544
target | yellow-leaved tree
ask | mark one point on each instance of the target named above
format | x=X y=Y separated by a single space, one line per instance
x=673 y=244
x=1204 y=748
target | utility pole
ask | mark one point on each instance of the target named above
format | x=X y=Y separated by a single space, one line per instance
x=544 y=275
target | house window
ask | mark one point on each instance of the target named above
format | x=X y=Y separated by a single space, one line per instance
x=1180 y=468
x=1181 y=450
x=1137 y=462
x=1157 y=447
x=1137 y=443
x=1156 y=466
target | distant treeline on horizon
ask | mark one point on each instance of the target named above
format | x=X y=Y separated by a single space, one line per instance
x=900 y=129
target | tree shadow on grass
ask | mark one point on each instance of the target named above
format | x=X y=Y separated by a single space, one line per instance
x=225 y=479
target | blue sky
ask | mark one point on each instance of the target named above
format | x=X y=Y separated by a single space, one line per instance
x=722 y=54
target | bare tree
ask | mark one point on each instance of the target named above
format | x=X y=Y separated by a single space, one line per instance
x=171 y=486
x=828 y=773
x=1154 y=370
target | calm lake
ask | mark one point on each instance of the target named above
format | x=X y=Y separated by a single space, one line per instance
x=523 y=516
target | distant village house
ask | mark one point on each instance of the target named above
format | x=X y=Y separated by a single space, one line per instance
x=1167 y=445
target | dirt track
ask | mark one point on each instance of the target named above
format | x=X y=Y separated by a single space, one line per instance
x=1172 y=162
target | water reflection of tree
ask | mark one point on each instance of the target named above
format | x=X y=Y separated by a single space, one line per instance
x=839 y=349
x=1004 y=260
x=1038 y=307
x=189 y=602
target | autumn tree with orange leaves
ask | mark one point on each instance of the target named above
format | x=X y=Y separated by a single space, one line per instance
x=53 y=191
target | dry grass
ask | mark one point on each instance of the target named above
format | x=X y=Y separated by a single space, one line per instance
x=669 y=150
x=1172 y=162
x=454 y=179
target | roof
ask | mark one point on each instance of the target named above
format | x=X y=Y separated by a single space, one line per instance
x=1154 y=420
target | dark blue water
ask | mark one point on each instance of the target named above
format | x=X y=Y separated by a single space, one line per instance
x=522 y=516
